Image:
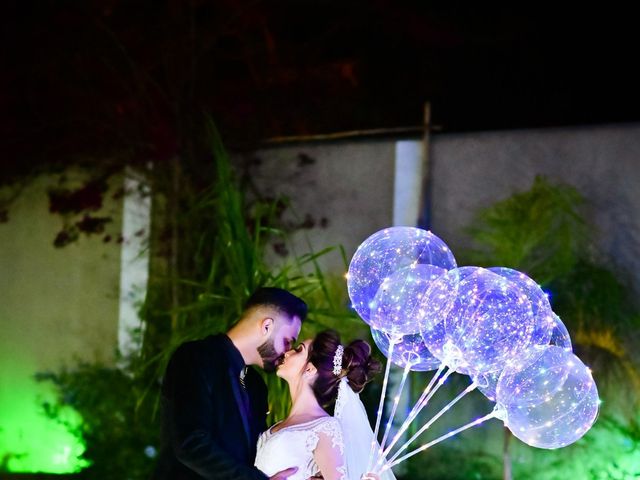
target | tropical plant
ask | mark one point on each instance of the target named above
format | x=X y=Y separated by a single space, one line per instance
x=540 y=231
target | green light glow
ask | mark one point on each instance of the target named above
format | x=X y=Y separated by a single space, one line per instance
x=29 y=440
x=49 y=318
x=604 y=453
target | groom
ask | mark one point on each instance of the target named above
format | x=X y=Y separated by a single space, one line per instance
x=214 y=407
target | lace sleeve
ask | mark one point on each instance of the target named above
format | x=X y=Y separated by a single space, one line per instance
x=328 y=451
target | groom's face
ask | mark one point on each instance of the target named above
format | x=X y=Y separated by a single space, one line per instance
x=283 y=336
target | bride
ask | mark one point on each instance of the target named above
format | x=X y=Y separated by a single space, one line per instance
x=323 y=376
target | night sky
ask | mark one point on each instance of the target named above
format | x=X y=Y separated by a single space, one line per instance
x=97 y=77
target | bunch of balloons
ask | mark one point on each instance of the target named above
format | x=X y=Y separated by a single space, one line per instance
x=495 y=325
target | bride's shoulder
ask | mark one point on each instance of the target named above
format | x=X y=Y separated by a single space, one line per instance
x=325 y=422
x=329 y=428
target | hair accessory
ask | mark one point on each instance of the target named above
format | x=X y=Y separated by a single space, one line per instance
x=337 y=361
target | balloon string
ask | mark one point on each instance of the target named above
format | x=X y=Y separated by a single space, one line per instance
x=374 y=440
x=396 y=400
x=433 y=419
x=419 y=403
x=478 y=421
x=428 y=392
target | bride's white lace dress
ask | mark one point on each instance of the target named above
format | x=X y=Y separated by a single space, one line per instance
x=348 y=433
x=294 y=446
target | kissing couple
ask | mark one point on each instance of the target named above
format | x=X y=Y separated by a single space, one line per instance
x=214 y=404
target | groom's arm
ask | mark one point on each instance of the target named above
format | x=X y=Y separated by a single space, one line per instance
x=204 y=456
x=188 y=388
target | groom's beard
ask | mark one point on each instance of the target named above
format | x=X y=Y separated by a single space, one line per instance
x=270 y=358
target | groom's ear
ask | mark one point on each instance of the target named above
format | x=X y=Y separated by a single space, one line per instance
x=267 y=325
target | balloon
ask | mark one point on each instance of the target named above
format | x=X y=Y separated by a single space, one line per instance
x=409 y=349
x=436 y=305
x=384 y=253
x=548 y=397
x=540 y=305
x=486 y=322
x=559 y=334
x=537 y=296
x=442 y=293
x=487 y=383
x=396 y=308
x=549 y=329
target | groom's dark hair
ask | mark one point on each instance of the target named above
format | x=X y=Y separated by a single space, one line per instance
x=279 y=299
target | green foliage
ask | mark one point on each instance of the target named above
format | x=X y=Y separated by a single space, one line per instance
x=539 y=231
x=602 y=318
x=452 y=463
x=609 y=452
x=118 y=432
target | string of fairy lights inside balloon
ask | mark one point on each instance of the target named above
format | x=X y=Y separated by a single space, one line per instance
x=495 y=325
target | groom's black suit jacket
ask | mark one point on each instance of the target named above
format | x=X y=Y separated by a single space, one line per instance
x=211 y=423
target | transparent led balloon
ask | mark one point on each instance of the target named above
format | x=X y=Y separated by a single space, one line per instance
x=489 y=321
x=559 y=337
x=440 y=297
x=549 y=398
x=536 y=295
x=540 y=305
x=436 y=305
x=487 y=383
x=407 y=350
x=384 y=253
x=397 y=306
x=559 y=334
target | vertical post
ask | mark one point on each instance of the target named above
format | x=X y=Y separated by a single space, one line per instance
x=506 y=455
x=424 y=214
x=175 y=231
x=134 y=257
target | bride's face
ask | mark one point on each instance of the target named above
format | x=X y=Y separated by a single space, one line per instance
x=294 y=361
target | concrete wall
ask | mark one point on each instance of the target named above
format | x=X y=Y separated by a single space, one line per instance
x=350 y=183
x=471 y=171
x=345 y=189
x=56 y=305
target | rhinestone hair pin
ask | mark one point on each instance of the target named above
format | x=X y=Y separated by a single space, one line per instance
x=337 y=361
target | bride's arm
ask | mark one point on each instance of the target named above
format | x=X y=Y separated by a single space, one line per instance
x=330 y=458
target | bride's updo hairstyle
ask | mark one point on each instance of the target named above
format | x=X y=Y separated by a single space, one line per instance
x=357 y=365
